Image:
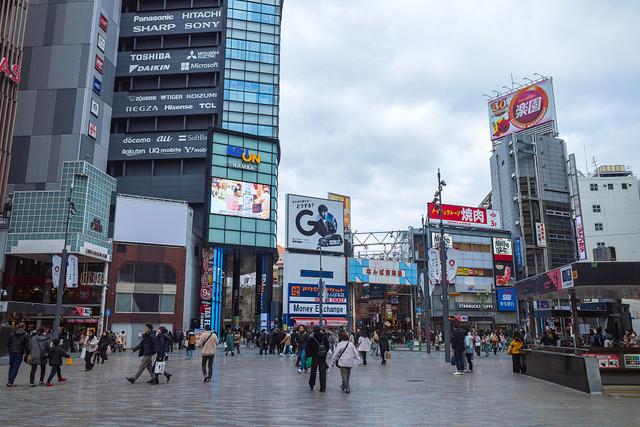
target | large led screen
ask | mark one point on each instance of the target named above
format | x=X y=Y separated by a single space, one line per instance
x=245 y=199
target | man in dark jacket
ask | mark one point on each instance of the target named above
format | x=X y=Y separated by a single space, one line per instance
x=146 y=348
x=457 y=343
x=263 y=341
x=317 y=349
x=383 y=345
x=18 y=344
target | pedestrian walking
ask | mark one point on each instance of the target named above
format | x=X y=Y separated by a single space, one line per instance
x=318 y=346
x=18 y=345
x=180 y=339
x=286 y=344
x=38 y=347
x=477 y=340
x=469 y=347
x=457 y=344
x=345 y=357
x=103 y=346
x=515 y=350
x=331 y=337
x=90 y=345
x=163 y=348
x=263 y=342
x=209 y=348
x=228 y=340
x=55 y=355
x=304 y=342
x=374 y=344
x=364 y=346
x=123 y=340
x=146 y=348
x=191 y=344
x=236 y=341
x=384 y=346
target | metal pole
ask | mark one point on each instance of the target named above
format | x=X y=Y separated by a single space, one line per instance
x=103 y=299
x=427 y=295
x=321 y=289
x=445 y=285
x=574 y=319
x=63 y=270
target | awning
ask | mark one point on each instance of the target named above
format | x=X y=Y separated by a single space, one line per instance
x=313 y=321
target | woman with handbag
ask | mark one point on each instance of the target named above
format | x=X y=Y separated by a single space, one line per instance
x=90 y=346
x=38 y=355
x=345 y=357
x=164 y=347
x=103 y=345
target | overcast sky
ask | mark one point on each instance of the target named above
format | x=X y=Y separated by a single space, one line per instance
x=377 y=94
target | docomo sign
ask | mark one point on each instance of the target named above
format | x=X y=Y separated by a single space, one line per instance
x=530 y=106
x=465 y=215
x=12 y=71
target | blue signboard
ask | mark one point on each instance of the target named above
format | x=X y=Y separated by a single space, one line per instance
x=305 y=301
x=506 y=299
x=518 y=251
x=97 y=86
x=108 y=313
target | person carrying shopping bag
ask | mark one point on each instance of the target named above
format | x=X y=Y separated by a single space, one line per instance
x=345 y=357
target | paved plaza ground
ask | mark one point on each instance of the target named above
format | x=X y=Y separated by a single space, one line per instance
x=252 y=390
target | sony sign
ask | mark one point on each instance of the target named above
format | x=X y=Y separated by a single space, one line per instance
x=157 y=23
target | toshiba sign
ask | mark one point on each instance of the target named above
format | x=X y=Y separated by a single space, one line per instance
x=11 y=71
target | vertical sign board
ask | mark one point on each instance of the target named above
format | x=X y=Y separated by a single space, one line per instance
x=541 y=235
x=506 y=299
x=104 y=22
x=582 y=250
x=346 y=201
x=566 y=273
x=518 y=253
x=503 y=262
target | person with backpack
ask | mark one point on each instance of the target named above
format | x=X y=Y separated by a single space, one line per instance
x=55 y=355
x=17 y=344
x=191 y=344
x=38 y=347
x=318 y=346
x=345 y=357
x=146 y=348
x=209 y=346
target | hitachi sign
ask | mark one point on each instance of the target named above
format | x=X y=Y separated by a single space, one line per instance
x=205 y=14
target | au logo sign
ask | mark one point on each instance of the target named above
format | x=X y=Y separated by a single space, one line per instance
x=243 y=154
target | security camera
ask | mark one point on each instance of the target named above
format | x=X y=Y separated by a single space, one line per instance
x=443 y=183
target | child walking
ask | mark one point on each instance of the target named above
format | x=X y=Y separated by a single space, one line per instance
x=55 y=354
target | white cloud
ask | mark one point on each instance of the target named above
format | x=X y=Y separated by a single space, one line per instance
x=376 y=95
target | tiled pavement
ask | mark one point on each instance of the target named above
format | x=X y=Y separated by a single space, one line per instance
x=252 y=390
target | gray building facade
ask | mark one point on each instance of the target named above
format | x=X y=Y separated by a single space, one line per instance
x=65 y=97
x=530 y=187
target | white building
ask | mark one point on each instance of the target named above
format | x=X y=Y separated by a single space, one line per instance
x=610 y=208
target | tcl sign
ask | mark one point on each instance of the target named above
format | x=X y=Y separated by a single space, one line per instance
x=12 y=71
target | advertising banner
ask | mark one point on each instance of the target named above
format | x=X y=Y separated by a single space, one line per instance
x=158 y=145
x=541 y=235
x=606 y=361
x=518 y=252
x=506 y=299
x=582 y=248
x=434 y=265
x=314 y=223
x=179 y=22
x=363 y=270
x=346 y=201
x=178 y=61
x=567 y=277
x=549 y=281
x=473 y=306
x=632 y=361
x=436 y=237
x=502 y=273
x=502 y=249
x=474 y=272
x=165 y=103
x=244 y=199
x=465 y=216
x=528 y=107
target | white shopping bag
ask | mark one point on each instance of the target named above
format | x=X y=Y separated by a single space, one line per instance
x=83 y=353
x=159 y=368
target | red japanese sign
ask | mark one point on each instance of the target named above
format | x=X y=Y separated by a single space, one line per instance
x=465 y=215
x=99 y=64
x=103 y=22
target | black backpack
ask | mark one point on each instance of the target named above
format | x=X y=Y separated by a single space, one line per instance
x=322 y=351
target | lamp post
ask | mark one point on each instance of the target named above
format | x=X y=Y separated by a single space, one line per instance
x=437 y=200
x=427 y=294
x=321 y=288
x=71 y=210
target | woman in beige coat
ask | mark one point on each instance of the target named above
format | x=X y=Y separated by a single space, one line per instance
x=209 y=347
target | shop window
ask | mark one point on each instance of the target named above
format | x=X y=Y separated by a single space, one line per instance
x=167 y=303
x=126 y=273
x=145 y=303
x=123 y=303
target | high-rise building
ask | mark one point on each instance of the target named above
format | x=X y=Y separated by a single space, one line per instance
x=529 y=180
x=607 y=213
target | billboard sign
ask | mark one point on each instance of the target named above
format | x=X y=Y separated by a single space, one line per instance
x=528 y=107
x=104 y=22
x=97 y=85
x=99 y=64
x=566 y=273
x=582 y=247
x=503 y=274
x=541 y=235
x=465 y=216
x=314 y=224
x=518 y=252
x=158 y=145
x=436 y=238
x=506 y=299
x=179 y=22
x=346 y=201
x=101 y=43
x=502 y=249
x=165 y=103
x=92 y=130
x=236 y=198
x=364 y=270
x=95 y=107
x=178 y=61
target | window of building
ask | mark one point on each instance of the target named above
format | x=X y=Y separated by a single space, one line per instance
x=596 y=209
x=600 y=244
x=599 y=226
x=610 y=186
x=147 y=273
x=593 y=187
x=624 y=186
x=145 y=303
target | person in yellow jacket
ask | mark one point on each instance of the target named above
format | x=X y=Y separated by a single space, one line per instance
x=515 y=350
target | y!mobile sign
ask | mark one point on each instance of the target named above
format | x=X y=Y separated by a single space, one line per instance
x=465 y=215
x=530 y=106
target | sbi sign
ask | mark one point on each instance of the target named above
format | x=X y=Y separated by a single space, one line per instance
x=243 y=154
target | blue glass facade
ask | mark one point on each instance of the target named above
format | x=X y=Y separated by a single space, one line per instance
x=252 y=67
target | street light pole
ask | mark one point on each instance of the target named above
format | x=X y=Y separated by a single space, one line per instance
x=427 y=294
x=321 y=289
x=63 y=266
x=444 y=281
